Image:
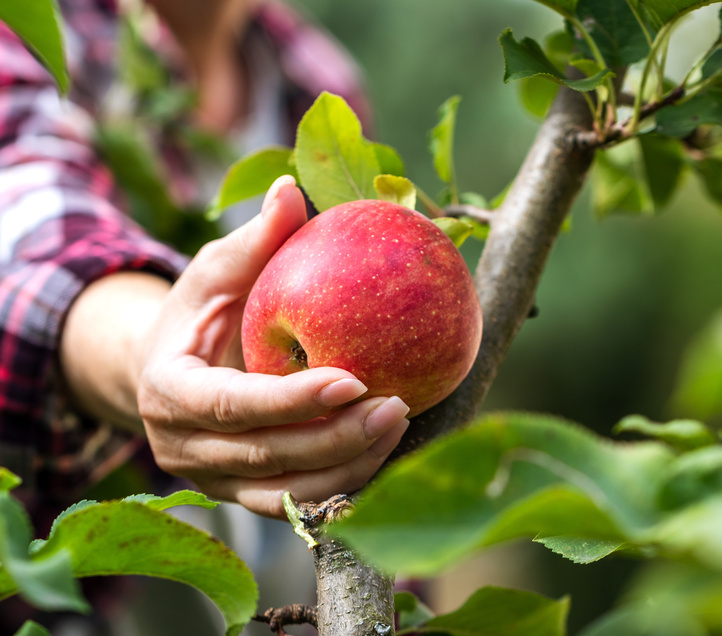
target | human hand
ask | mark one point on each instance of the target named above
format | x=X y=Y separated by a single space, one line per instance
x=251 y=437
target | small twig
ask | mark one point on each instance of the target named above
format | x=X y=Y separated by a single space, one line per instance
x=480 y=215
x=313 y=514
x=296 y=614
x=588 y=139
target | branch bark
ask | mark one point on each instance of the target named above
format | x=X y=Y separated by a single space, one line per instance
x=520 y=240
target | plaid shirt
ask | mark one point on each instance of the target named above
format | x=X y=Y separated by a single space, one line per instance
x=63 y=224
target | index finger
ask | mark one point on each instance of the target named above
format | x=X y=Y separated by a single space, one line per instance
x=227 y=400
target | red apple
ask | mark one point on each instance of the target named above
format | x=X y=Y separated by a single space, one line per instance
x=376 y=289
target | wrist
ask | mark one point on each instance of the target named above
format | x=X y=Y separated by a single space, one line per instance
x=105 y=342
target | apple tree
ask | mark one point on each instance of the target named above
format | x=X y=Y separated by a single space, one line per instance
x=463 y=478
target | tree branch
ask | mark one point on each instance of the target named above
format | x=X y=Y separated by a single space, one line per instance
x=353 y=598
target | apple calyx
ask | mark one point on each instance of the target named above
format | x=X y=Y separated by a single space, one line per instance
x=298 y=355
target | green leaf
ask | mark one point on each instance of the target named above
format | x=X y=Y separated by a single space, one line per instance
x=495 y=611
x=457 y=230
x=510 y=475
x=691 y=592
x=693 y=533
x=693 y=477
x=526 y=59
x=389 y=160
x=8 y=480
x=39 y=24
x=566 y=7
x=657 y=13
x=615 y=29
x=140 y=69
x=618 y=183
x=537 y=95
x=46 y=581
x=709 y=171
x=579 y=549
x=395 y=189
x=698 y=388
x=130 y=537
x=679 y=120
x=412 y=612
x=178 y=498
x=31 y=628
x=129 y=154
x=250 y=176
x=664 y=164
x=681 y=434
x=646 y=618
x=335 y=162
x=441 y=144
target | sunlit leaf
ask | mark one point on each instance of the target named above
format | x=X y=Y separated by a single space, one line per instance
x=458 y=230
x=389 y=160
x=579 y=549
x=39 y=24
x=442 y=144
x=130 y=537
x=8 y=479
x=681 y=434
x=335 y=163
x=250 y=176
x=508 y=476
x=537 y=95
x=395 y=189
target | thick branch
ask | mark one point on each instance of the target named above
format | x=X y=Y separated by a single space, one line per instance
x=520 y=240
x=353 y=598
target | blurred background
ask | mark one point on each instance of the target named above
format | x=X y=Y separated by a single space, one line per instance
x=621 y=298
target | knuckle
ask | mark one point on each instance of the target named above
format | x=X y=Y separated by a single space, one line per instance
x=224 y=410
x=260 y=461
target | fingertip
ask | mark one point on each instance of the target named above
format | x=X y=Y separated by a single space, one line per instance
x=383 y=446
x=284 y=191
x=340 y=392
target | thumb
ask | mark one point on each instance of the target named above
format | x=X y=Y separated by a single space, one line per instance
x=233 y=263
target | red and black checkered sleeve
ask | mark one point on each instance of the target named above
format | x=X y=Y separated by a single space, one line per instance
x=61 y=227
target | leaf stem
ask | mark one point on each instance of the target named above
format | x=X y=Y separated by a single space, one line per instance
x=599 y=59
x=659 y=42
x=432 y=208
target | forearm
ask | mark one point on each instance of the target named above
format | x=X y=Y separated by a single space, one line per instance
x=104 y=343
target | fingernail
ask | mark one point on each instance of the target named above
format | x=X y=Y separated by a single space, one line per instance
x=386 y=443
x=273 y=191
x=384 y=416
x=340 y=392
